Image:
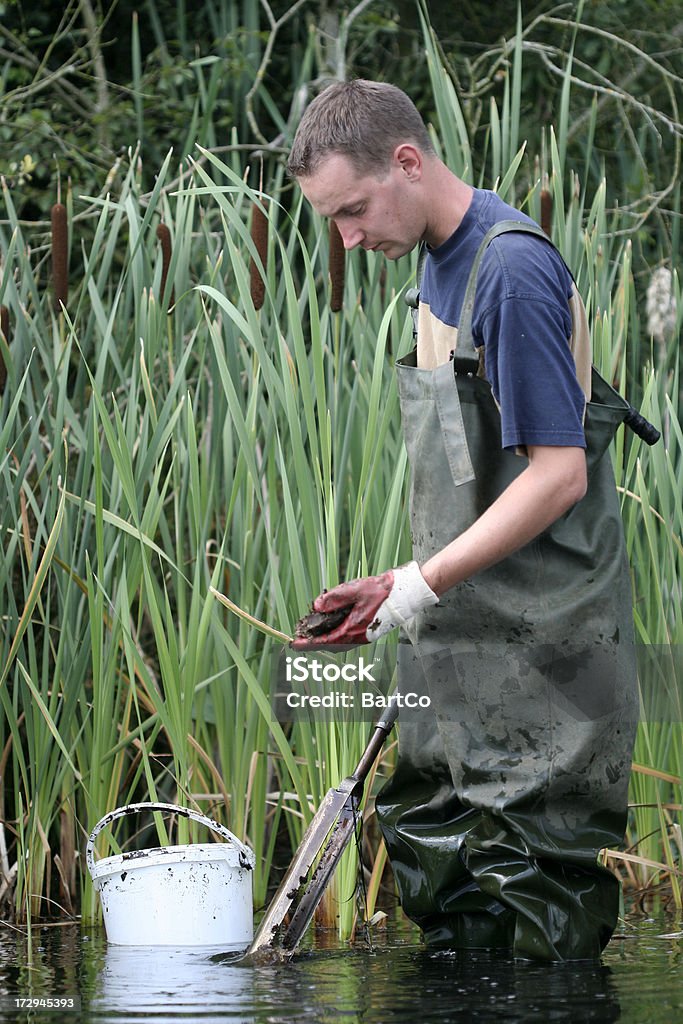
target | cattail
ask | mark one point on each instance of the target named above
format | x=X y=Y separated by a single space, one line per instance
x=337 y=268
x=60 y=251
x=661 y=307
x=546 y=211
x=383 y=283
x=259 y=236
x=164 y=236
x=4 y=330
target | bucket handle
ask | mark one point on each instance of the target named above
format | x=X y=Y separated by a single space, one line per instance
x=246 y=856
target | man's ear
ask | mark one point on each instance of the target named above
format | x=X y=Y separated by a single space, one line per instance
x=410 y=159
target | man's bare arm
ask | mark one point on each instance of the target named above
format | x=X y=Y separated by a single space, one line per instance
x=554 y=480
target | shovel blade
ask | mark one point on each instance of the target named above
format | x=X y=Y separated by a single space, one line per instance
x=265 y=941
x=274 y=941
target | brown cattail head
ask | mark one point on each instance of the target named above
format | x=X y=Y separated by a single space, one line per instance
x=60 y=255
x=164 y=236
x=259 y=236
x=337 y=268
x=4 y=330
x=546 y=211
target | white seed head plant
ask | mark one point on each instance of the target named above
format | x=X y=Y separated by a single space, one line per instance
x=661 y=306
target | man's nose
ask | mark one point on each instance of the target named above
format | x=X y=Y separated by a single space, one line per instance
x=350 y=236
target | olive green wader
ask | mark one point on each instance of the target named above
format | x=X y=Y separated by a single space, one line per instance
x=507 y=788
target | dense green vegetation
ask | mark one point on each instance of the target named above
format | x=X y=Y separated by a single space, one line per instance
x=165 y=429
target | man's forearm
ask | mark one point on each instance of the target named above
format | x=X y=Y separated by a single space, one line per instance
x=554 y=480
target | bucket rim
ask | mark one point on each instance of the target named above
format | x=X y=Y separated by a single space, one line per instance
x=166 y=856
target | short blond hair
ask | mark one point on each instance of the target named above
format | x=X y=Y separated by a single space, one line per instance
x=362 y=120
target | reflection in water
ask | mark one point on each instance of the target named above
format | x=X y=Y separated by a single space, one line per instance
x=147 y=981
x=399 y=982
x=397 y=986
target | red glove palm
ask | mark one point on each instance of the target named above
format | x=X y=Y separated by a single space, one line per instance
x=376 y=605
x=363 y=597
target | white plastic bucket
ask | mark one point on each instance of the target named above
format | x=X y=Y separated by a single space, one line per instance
x=194 y=895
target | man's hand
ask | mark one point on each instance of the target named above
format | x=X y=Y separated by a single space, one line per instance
x=377 y=604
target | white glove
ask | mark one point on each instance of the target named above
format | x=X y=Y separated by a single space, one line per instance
x=409 y=595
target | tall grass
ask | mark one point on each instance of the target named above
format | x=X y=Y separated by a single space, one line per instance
x=151 y=457
x=148 y=456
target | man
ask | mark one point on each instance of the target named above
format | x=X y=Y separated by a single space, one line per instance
x=518 y=603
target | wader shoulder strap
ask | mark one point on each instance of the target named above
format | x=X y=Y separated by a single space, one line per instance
x=632 y=418
x=466 y=349
x=412 y=296
x=465 y=341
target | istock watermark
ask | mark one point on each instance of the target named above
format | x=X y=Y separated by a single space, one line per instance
x=303 y=669
x=339 y=685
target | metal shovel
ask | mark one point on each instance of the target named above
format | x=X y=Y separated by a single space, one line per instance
x=329 y=832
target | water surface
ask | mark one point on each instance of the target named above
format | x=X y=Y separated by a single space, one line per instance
x=640 y=978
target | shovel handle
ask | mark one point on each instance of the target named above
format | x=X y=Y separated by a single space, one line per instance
x=376 y=742
x=387 y=720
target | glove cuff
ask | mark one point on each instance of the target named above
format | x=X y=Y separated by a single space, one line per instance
x=411 y=593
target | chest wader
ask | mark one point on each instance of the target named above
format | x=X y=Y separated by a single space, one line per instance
x=509 y=785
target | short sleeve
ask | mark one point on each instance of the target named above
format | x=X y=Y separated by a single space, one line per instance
x=531 y=370
x=522 y=318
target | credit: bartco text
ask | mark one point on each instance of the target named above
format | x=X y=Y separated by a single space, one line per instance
x=338 y=699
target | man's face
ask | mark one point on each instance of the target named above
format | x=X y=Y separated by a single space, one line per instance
x=381 y=214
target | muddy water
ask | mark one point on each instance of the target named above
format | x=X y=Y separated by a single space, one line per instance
x=640 y=979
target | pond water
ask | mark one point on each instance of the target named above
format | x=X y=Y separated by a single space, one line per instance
x=640 y=979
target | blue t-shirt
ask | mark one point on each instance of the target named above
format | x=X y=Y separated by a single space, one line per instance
x=522 y=319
